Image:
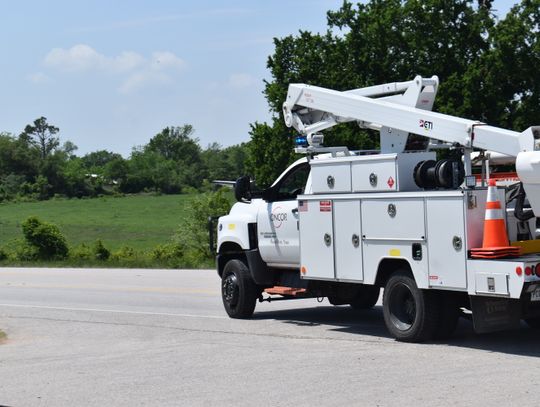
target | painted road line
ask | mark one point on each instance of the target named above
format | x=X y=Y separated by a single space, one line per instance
x=114 y=311
x=102 y=287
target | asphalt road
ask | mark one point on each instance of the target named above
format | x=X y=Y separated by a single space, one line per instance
x=161 y=338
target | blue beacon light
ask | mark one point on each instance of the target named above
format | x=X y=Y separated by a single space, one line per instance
x=301 y=141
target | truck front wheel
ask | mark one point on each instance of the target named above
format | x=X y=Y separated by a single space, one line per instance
x=410 y=314
x=238 y=291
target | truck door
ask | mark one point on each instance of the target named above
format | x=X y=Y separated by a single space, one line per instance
x=277 y=221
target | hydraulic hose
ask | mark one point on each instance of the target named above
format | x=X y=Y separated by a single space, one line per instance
x=522 y=214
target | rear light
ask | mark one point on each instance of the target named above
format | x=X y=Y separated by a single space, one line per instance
x=528 y=271
x=519 y=271
x=537 y=270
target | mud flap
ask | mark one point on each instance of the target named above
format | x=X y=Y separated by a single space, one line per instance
x=495 y=314
x=260 y=273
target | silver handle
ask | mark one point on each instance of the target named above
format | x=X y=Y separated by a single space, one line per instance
x=327 y=239
x=330 y=181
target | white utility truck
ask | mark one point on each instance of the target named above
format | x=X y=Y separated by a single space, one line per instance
x=343 y=224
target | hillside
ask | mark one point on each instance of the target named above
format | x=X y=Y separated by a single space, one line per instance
x=140 y=221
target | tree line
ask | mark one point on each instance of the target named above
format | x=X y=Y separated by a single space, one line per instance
x=35 y=165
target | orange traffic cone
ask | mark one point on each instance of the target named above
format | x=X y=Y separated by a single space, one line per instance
x=495 y=243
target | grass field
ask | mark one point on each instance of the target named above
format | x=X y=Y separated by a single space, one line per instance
x=140 y=222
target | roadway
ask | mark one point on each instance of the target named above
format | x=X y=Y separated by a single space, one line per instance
x=79 y=337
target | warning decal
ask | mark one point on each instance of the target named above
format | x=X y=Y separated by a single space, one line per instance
x=325 y=206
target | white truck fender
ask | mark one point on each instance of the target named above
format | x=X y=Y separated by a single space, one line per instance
x=233 y=228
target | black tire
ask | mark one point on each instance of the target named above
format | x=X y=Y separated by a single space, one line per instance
x=334 y=300
x=238 y=291
x=533 y=323
x=367 y=297
x=449 y=313
x=410 y=314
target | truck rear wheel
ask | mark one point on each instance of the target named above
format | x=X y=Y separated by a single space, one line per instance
x=366 y=298
x=410 y=314
x=238 y=291
x=533 y=323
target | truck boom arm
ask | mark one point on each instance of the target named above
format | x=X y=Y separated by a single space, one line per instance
x=311 y=108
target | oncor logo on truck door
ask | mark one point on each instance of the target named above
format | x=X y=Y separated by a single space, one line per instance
x=277 y=217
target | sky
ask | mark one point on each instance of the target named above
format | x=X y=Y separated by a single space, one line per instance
x=112 y=74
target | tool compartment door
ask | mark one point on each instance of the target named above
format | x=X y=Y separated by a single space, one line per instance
x=375 y=175
x=348 y=239
x=333 y=177
x=446 y=242
x=316 y=239
x=398 y=219
x=390 y=229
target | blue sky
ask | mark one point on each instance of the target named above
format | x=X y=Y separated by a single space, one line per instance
x=111 y=74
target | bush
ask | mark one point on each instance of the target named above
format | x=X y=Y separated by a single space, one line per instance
x=192 y=235
x=125 y=253
x=100 y=251
x=166 y=252
x=25 y=252
x=3 y=254
x=44 y=239
x=82 y=252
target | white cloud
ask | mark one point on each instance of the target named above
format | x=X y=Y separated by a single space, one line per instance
x=81 y=57
x=127 y=61
x=140 y=80
x=38 y=78
x=78 y=58
x=165 y=60
x=133 y=69
x=241 y=80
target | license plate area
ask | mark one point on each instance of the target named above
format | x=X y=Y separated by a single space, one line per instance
x=535 y=295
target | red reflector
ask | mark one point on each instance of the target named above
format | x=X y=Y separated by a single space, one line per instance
x=519 y=271
x=537 y=270
x=528 y=271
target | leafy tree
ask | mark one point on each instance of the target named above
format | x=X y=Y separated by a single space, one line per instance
x=504 y=81
x=10 y=186
x=42 y=135
x=223 y=163
x=77 y=182
x=17 y=157
x=236 y=157
x=269 y=151
x=40 y=189
x=69 y=148
x=96 y=161
x=116 y=169
x=168 y=163
x=176 y=143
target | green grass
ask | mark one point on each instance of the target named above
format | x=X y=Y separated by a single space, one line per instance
x=140 y=221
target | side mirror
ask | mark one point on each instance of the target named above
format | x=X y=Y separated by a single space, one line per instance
x=242 y=189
